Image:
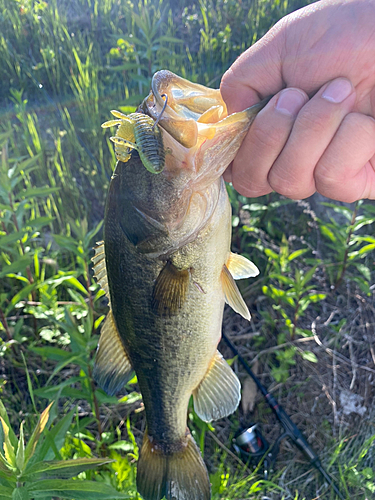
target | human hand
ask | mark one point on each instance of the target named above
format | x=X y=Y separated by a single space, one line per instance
x=297 y=145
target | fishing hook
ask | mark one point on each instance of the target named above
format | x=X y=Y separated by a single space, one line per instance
x=162 y=111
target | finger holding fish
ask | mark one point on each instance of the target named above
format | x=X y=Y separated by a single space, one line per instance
x=271 y=129
x=298 y=146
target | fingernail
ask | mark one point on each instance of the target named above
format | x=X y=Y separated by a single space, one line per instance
x=290 y=101
x=338 y=90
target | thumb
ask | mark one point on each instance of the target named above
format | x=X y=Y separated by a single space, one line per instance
x=256 y=74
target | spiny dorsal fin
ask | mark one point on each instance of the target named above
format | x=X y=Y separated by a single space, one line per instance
x=174 y=474
x=233 y=296
x=100 y=270
x=240 y=267
x=170 y=289
x=112 y=368
x=219 y=393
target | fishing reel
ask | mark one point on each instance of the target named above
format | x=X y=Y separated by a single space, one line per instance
x=254 y=449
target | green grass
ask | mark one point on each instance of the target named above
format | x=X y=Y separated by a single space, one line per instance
x=64 y=66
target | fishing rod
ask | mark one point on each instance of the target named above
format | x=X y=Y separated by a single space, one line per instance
x=291 y=430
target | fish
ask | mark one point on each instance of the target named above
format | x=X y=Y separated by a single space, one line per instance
x=166 y=267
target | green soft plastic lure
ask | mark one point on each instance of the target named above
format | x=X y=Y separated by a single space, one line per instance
x=138 y=131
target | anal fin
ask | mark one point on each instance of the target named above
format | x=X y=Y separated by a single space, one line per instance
x=240 y=267
x=219 y=393
x=170 y=290
x=233 y=296
x=112 y=368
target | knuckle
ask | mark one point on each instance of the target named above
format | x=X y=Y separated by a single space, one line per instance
x=312 y=123
x=325 y=184
x=246 y=183
x=282 y=185
x=228 y=84
x=286 y=181
x=336 y=174
x=328 y=178
x=264 y=137
x=362 y=125
x=251 y=190
x=335 y=189
x=322 y=176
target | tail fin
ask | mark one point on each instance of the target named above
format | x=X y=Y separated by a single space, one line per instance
x=176 y=476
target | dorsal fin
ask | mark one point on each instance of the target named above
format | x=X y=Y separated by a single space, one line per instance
x=240 y=267
x=233 y=296
x=99 y=267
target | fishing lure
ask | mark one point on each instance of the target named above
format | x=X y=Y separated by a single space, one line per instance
x=139 y=131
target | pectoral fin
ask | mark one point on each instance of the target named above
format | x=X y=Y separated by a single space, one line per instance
x=170 y=289
x=112 y=367
x=240 y=267
x=233 y=296
x=219 y=392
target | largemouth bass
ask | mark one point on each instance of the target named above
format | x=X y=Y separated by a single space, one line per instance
x=167 y=269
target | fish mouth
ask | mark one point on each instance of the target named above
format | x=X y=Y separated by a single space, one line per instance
x=186 y=110
x=191 y=108
x=197 y=119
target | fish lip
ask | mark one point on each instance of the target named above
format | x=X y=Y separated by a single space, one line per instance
x=182 y=129
x=193 y=111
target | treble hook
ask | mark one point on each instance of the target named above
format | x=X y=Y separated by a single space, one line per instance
x=162 y=111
